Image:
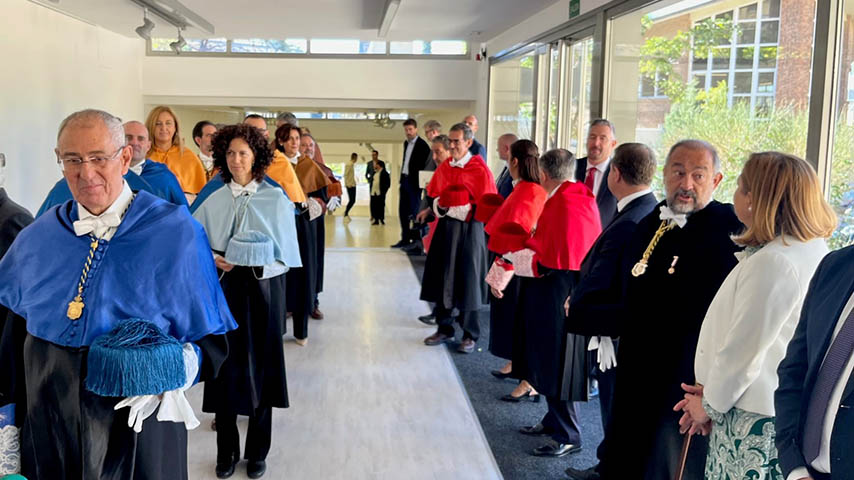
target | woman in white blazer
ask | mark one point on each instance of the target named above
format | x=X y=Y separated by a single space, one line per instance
x=754 y=315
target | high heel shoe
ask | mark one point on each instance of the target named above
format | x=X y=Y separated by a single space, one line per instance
x=500 y=375
x=534 y=397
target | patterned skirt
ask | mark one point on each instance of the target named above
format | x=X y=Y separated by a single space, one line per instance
x=741 y=446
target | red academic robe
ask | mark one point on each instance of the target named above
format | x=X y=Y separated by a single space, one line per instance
x=522 y=207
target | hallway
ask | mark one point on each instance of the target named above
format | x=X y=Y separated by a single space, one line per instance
x=367 y=399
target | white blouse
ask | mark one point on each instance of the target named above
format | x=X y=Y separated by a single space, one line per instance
x=750 y=322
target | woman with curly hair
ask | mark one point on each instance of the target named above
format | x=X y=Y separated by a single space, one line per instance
x=252 y=233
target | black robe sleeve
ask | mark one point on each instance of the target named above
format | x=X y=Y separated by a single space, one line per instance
x=214 y=351
x=13 y=332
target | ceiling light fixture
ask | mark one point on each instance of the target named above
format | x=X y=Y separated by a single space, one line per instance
x=177 y=45
x=147 y=26
x=389 y=12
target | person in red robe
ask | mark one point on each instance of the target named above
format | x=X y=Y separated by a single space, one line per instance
x=555 y=363
x=457 y=261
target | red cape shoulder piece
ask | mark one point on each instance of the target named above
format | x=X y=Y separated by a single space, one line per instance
x=523 y=206
x=475 y=176
x=567 y=228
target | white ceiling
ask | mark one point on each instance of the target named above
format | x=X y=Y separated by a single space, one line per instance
x=415 y=20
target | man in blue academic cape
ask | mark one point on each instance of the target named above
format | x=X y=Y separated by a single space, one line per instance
x=156 y=174
x=107 y=257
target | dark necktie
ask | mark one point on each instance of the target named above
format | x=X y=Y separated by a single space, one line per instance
x=590 y=179
x=828 y=376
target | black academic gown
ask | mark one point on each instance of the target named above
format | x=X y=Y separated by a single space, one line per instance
x=320 y=226
x=456 y=265
x=13 y=219
x=503 y=328
x=301 y=283
x=253 y=375
x=662 y=315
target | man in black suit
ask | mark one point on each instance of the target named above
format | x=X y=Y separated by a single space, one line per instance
x=504 y=182
x=13 y=219
x=592 y=170
x=416 y=152
x=629 y=178
x=814 y=400
x=476 y=148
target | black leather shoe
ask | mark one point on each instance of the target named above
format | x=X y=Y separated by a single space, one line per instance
x=256 y=468
x=427 y=319
x=226 y=469
x=588 y=474
x=400 y=244
x=537 y=429
x=500 y=375
x=555 y=450
x=526 y=396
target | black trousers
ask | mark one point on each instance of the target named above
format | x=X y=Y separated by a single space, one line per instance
x=607 y=380
x=561 y=420
x=351 y=200
x=468 y=320
x=258 y=436
x=407 y=209
x=378 y=207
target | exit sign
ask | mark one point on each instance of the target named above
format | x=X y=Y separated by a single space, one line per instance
x=574 y=8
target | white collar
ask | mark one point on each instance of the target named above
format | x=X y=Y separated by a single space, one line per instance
x=137 y=169
x=552 y=193
x=118 y=207
x=237 y=189
x=207 y=161
x=625 y=201
x=667 y=214
x=413 y=140
x=461 y=162
x=601 y=167
x=294 y=160
x=516 y=182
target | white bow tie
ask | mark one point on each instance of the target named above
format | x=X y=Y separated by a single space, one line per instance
x=667 y=214
x=237 y=190
x=97 y=225
x=457 y=164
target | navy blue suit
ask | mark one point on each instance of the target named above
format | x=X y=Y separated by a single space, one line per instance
x=605 y=200
x=504 y=184
x=477 y=148
x=831 y=287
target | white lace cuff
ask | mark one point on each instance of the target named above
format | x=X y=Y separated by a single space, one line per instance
x=460 y=213
x=524 y=262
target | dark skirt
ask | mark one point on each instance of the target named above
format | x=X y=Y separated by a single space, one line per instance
x=70 y=433
x=253 y=374
x=321 y=251
x=554 y=361
x=456 y=266
x=302 y=282
x=503 y=321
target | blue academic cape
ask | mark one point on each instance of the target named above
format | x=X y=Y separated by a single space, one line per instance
x=162 y=179
x=268 y=211
x=60 y=193
x=157 y=267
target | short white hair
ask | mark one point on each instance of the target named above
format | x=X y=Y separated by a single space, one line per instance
x=113 y=124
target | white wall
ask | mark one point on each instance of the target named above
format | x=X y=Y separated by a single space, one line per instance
x=55 y=65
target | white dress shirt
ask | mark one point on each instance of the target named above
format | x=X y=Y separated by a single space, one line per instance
x=207 y=162
x=750 y=322
x=137 y=169
x=410 y=146
x=599 y=175
x=294 y=160
x=625 y=201
x=118 y=208
x=461 y=163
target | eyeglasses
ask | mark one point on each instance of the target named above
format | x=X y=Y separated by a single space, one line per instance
x=97 y=161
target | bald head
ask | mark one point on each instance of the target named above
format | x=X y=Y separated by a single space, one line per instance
x=136 y=135
x=471 y=121
x=504 y=143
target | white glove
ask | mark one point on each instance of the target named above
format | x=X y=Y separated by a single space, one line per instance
x=523 y=262
x=460 y=213
x=605 y=354
x=141 y=407
x=315 y=209
x=174 y=407
x=333 y=204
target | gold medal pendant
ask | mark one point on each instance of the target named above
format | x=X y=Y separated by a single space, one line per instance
x=639 y=269
x=75 y=308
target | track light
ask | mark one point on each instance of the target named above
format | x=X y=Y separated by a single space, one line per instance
x=147 y=26
x=177 y=45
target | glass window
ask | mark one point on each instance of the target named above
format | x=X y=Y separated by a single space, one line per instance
x=345 y=46
x=268 y=45
x=435 y=47
x=511 y=99
x=841 y=188
x=746 y=98
x=213 y=45
x=554 y=94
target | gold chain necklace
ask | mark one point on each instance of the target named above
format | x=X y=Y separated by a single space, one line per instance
x=75 y=307
x=640 y=267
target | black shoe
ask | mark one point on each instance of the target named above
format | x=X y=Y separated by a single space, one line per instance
x=256 y=468
x=226 y=469
x=555 y=450
x=382 y=221
x=427 y=319
x=536 y=430
x=375 y=222
x=588 y=474
x=400 y=244
x=526 y=396
x=500 y=375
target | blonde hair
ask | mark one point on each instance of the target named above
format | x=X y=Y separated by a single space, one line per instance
x=786 y=199
x=152 y=119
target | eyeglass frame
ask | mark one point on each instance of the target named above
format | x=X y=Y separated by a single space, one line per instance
x=95 y=160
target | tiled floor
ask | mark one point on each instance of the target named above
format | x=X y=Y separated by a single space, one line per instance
x=368 y=399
